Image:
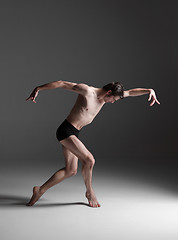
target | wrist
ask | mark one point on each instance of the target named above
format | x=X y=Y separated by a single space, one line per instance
x=37 y=89
x=150 y=90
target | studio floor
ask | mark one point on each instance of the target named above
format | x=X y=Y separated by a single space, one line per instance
x=131 y=209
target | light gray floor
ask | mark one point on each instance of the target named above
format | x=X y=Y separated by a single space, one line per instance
x=131 y=209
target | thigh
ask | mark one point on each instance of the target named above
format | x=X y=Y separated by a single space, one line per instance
x=74 y=145
x=71 y=160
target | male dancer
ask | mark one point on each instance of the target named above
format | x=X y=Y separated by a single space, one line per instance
x=89 y=102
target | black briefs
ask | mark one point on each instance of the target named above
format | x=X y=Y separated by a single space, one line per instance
x=65 y=130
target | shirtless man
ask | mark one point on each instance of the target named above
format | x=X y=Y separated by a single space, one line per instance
x=89 y=102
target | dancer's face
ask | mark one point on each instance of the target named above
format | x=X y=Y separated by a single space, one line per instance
x=110 y=98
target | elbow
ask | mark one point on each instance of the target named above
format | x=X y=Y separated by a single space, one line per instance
x=127 y=93
x=58 y=83
x=76 y=87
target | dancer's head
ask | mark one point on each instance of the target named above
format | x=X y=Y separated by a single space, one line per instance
x=114 y=90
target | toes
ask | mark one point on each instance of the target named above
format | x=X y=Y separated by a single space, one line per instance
x=28 y=204
x=91 y=204
x=94 y=205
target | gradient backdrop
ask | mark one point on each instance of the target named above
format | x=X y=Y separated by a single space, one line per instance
x=94 y=42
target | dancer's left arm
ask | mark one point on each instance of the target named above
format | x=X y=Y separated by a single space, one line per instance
x=142 y=91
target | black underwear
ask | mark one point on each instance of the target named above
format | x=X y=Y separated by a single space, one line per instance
x=65 y=130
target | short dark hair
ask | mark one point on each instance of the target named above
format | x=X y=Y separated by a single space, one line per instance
x=116 y=88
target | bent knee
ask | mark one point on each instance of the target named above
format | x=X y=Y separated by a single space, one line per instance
x=71 y=172
x=90 y=160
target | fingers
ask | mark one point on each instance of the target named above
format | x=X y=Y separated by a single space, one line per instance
x=151 y=104
x=31 y=98
x=157 y=101
x=154 y=99
x=150 y=97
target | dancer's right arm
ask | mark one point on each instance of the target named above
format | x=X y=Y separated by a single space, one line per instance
x=79 y=88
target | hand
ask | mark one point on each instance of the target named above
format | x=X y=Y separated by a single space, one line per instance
x=33 y=95
x=152 y=96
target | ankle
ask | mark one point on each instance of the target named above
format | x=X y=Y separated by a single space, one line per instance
x=42 y=190
x=89 y=192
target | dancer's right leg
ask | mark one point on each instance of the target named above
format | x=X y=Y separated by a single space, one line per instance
x=74 y=145
x=70 y=170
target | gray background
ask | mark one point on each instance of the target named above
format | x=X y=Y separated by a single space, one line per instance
x=95 y=42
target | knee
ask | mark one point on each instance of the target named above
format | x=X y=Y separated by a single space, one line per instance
x=90 y=160
x=71 y=172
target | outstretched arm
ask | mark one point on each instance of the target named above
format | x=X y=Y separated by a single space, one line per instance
x=78 y=88
x=142 y=91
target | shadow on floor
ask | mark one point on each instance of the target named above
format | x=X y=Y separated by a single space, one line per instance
x=61 y=204
x=12 y=200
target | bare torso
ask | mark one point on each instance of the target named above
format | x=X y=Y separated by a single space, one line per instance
x=85 y=108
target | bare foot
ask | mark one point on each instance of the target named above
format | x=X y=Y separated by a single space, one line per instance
x=36 y=195
x=92 y=199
